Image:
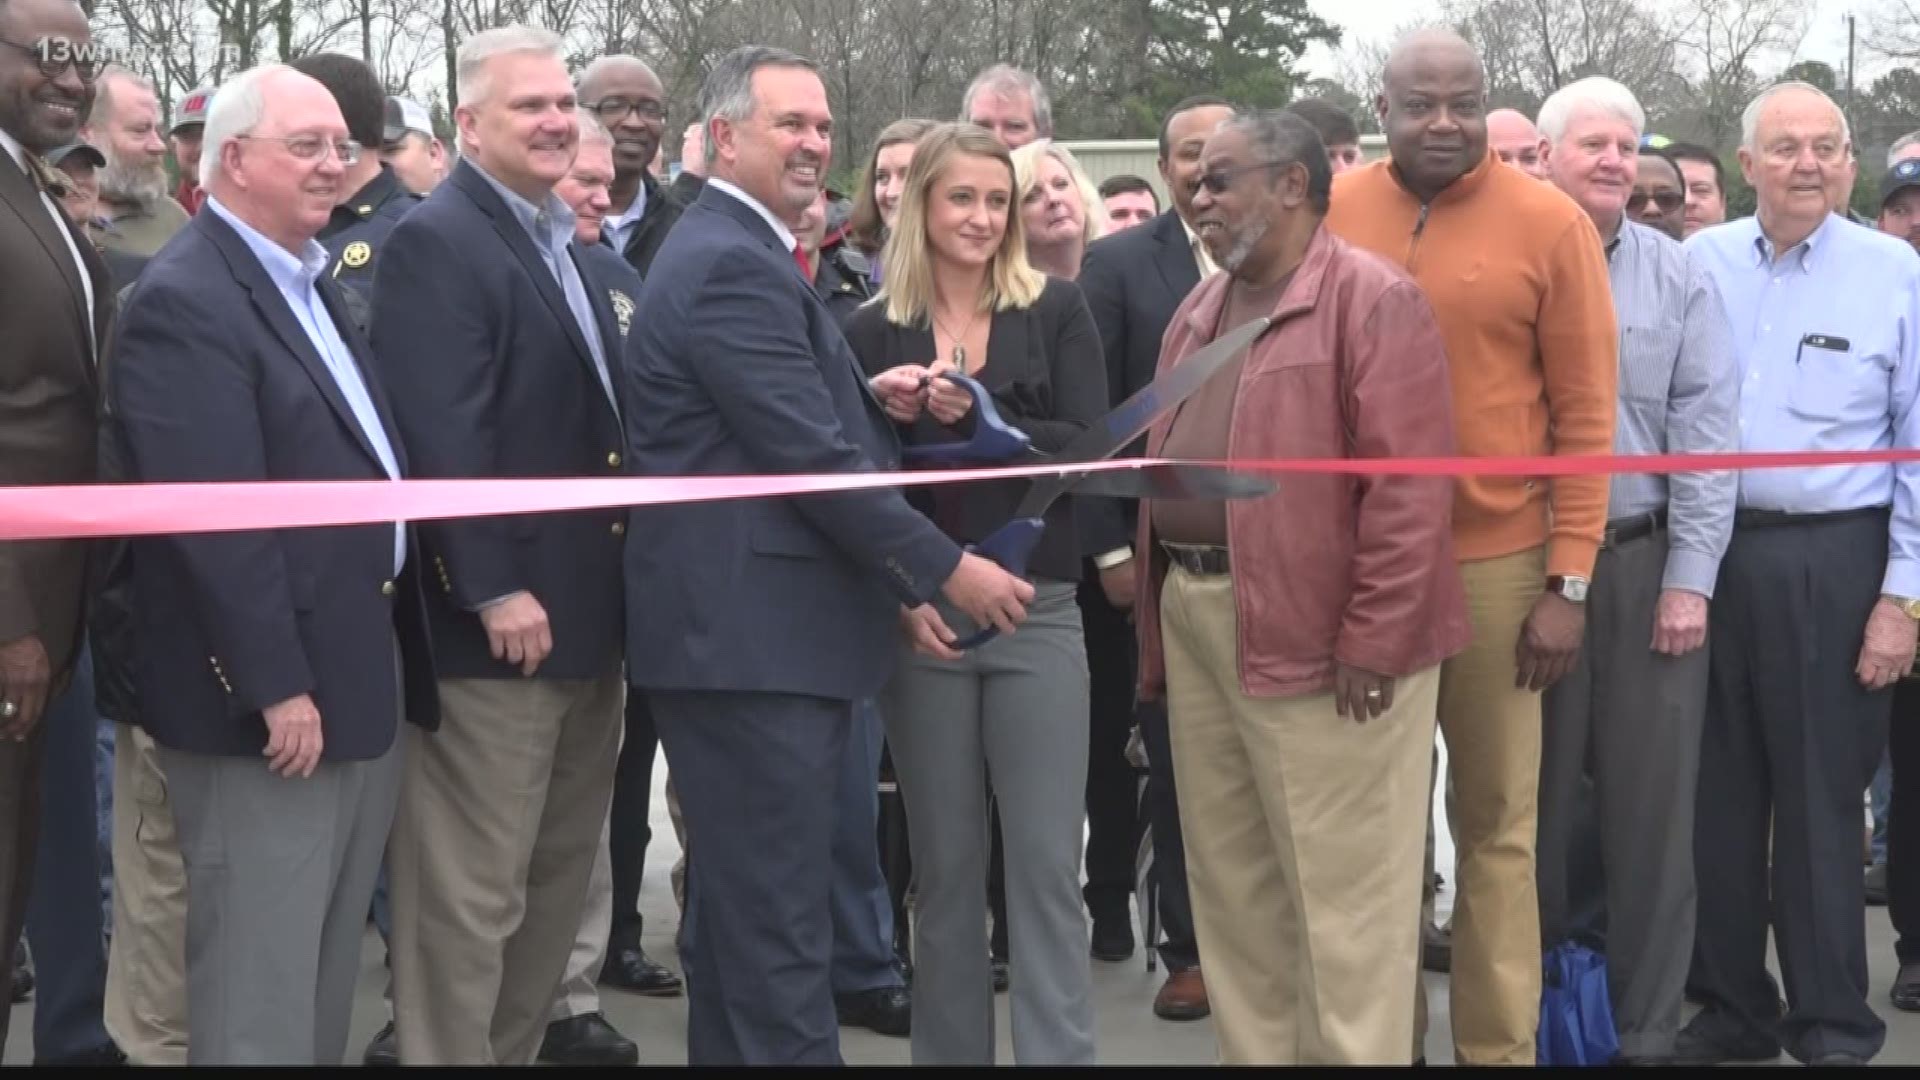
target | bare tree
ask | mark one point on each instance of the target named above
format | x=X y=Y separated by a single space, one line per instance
x=1730 y=42
x=1893 y=29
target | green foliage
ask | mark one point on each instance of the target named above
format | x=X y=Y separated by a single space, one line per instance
x=1245 y=50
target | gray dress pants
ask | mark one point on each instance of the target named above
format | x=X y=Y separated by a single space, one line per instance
x=1013 y=711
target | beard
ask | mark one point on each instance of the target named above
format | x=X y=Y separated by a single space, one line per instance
x=141 y=184
x=1244 y=242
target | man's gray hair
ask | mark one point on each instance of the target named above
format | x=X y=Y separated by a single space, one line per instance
x=728 y=92
x=1750 y=117
x=602 y=66
x=1911 y=138
x=1596 y=94
x=237 y=108
x=470 y=79
x=591 y=129
x=1005 y=80
x=103 y=92
x=1280 y=138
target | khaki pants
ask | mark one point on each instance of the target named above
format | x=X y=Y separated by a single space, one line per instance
x=1493 y=762
x=1303 y=833
x=501 y=817
x=146 y=999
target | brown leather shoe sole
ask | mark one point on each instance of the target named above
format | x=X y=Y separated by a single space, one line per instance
x=1184 y=997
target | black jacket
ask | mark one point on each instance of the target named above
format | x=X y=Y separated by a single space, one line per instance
x=663 y=208
x=1044 y=372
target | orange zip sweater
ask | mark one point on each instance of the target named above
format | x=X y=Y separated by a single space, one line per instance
x=1517 y=276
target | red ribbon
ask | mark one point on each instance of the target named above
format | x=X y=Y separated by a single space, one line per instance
x=98 y=510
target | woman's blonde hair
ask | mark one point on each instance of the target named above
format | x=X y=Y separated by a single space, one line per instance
x=1026 y=174
x=907 y=262
x=866 y=228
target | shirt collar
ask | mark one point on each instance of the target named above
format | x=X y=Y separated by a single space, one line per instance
x=634 y=211
x=14 y=150
x=554 y=232
x=372 y=195
x=1807 y=250
x=289 y=272
x=780 y=228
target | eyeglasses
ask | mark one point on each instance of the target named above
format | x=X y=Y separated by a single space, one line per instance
x=1219 y=180
x=1667 y=201
x=313 y=147
x=614 y=110
x=57 y=54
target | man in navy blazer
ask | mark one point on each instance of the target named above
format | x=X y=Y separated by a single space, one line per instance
x=273 y=667
x=754 y=625
x=497 y=341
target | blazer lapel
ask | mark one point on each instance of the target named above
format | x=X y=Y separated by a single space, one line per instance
x=1178 y=268
x=272 y=305
x=606 y=323
x=362 y=354
x=22 y=195
x=515 y=235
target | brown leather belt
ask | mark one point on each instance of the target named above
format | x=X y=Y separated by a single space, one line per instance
x=1201 y=559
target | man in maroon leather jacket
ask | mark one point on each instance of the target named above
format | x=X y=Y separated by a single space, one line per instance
x=1297 y=638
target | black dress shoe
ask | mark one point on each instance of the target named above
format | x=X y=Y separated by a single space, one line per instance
x=1694 y=1046
x=587 y=1040
x=1906 y=988
x=1001 y=980
x=384 y=1051
x=887 y=1010
x=630 y=968
x=1112 y=938
x=108 y=1056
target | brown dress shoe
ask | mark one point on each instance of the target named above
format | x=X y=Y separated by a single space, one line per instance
x=1184 y=997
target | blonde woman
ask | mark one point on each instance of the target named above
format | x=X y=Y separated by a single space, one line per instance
x=961 y=296
x=876 y=200
x=1058 y=206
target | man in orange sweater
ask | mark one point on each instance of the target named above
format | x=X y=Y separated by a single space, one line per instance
x=1516 y=273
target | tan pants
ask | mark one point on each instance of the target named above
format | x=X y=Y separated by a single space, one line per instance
x=146 y=1000
x=1304 y=834
x=1493 y=763
x=500 y=819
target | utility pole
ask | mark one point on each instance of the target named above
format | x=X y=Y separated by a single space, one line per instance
x=1850 y=72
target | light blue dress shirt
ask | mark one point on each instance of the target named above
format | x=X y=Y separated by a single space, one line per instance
x=618 y=229
x=550 y=227
x=1827 y=337
x=295 y=277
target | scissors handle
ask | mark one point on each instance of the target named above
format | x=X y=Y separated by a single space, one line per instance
x=1010 y=546
x=993 y=439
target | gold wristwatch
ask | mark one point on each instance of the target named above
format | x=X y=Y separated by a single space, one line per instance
x=1907 y=606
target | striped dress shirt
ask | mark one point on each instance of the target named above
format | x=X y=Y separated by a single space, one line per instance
x=1679 y=393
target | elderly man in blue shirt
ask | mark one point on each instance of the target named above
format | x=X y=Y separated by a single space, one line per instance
x=1630 y=712
x=1818 y=594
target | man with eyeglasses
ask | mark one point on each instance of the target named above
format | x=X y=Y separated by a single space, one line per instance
x=55 y=300
x=125 y=124
x=627 y=97
x=276 y=668
x=1818 y=595
x=1517 y=276
x=1659 y=198
x=1630 y=712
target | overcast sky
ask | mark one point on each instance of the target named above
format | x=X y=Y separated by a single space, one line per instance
x=1369 y=19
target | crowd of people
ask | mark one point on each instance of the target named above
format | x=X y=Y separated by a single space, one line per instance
x=1662 y=696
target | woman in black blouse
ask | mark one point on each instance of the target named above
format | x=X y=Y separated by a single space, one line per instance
x=960 y=296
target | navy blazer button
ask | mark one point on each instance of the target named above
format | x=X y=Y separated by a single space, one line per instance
x=613 y=459
x=387 y=588
x=619 y=528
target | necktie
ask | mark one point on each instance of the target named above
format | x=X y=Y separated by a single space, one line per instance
x=800 y=260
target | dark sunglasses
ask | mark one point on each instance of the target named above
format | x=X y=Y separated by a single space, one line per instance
x=1219 y=180
x=1667 y=201
x=56 y=54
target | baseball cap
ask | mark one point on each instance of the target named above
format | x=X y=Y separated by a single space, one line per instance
x=1651 y=141
x=404 y=115
x=1902 y=176
x=59 y=154
x=193 y=109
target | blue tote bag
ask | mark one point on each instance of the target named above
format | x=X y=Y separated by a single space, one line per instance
x=1576 y=1016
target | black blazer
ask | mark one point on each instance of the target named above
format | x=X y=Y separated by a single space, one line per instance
x=490 y=376
x=743 y=370
x=656 y=221
x=1134 y=280
x=1044 y=372
x=213 y=378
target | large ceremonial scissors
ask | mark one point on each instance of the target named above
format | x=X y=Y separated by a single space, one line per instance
x=993 y=439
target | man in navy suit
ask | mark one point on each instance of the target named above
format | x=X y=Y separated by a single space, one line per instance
x=755 y=625
x=273 y=668
x=495 y=337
